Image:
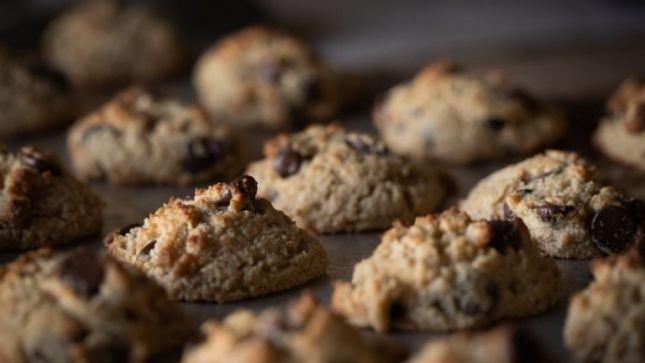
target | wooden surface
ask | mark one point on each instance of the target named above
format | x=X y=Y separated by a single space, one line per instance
x=572 y=54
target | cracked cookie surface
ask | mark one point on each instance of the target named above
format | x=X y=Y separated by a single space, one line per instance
x=82 y=306
x=448 y=272
x=106 y=43
x=605 y=322
x=621 y=134
x=141 y=137
x=304 y=331
x=33 y=97
x=564 y=203
x=460 y=116
x=224 y=244
x=264 y=77
x=331 y=180
x=41 y=204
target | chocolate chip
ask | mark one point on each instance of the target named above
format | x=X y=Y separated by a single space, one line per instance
x=613 y=229
x=637 y=207
x=246 y=185
x=287 y=162
x=82 y=271
x=364 y=146
x=397 y=310
x=524 y=191
x=505 y=234
x=39 y=164
x=53 y=76
x=525 y=349
x=551 y=213
x=312 y=90
x=225 y=199
x=124 y=230
x=145 y=251
x=495 y=123
x=203 y=153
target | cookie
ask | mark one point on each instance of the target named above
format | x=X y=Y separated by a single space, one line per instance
x=605 y=321
x=33 y=97
x=331 y=180
x=564 y=203
x=41 y=204
x=504 y=344
x=459 y=116
x=82 y=306
x=222 y=245
x=621 y=134
x=262 y=77
x=447 y=272
x=304 y=331
x=105 y=43
x=140 y=137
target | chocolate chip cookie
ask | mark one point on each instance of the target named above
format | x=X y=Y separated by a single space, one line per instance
x=304 y=331
x=82 y=306
x=41 y=204
x=564 y=203
x=33 y=97
x=459 y=116
x=621 y=134
x=500 y=345
x=448 y=272
x=141 y=137
x=264 y=77
x=331 y=180
x=605 y=321
x=105 y=43
x=224 y=244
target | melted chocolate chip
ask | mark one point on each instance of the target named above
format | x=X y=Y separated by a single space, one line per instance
x=524 y=191
x=203 y=153
x=287 y=162
x=551 y=213
x=82 y=271
x=365 y=147
x=225 y=199
x=145 y=251
x=495 y=123
x=637 y=207
x=505 y=234
x=246 y=185
x=397 y=310
x=39 y=164
x=124 y=230
x=613 y=229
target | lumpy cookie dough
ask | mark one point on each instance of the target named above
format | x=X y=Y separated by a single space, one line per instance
x=41 y=204
x=142 y=137
x=448 y=272
x=605 y=322
x=105 y=43
x=621 y=134
x=504 y=344
x=331 y=180
x=564 y=203
x=82 y=306
x=222 y=245
x=304 y=331
x=265 y=77
x=460 y=116
x=33 y=97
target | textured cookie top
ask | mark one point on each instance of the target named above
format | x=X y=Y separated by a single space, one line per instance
x=83 y=306
x=500 y=345
x=329 y=179
x=265 y=77
x=304 y=331
x=40 y=203
x=33 y=96
x=563 y=202
x=453 y=114
x=448 y=272
x=106 y=43
x=144 y=137
x=628 y=105
x=224 y=244
x=603 y=320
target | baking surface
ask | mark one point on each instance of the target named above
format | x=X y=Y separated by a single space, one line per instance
x=575 y=74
